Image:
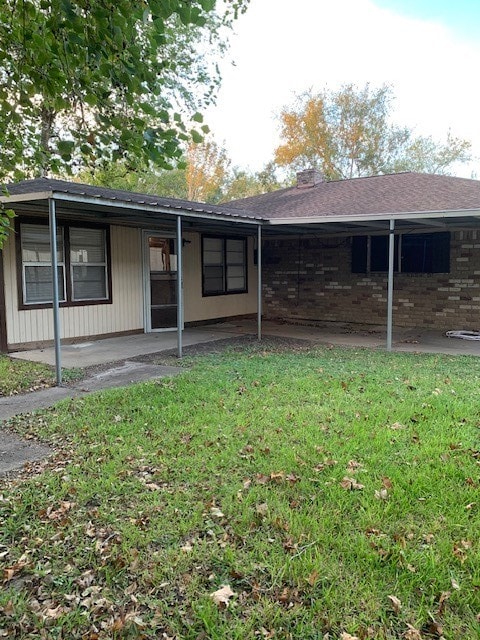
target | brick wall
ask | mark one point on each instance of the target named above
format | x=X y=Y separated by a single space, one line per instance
x=311 y=279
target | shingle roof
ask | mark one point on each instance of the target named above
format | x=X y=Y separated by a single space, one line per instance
x=394 y=193
x=39 y=185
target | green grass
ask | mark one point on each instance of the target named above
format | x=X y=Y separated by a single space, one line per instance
x=21 y=376
x=122 y=535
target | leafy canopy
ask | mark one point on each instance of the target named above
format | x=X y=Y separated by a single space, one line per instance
x=349 y=133
x=104 y=79
x=207 y=176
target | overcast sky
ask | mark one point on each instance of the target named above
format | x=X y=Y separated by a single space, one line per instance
x=428 y=50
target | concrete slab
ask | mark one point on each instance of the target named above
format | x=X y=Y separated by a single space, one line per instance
x=126 y=374
x=412 y=340
x=15 y=452
x=97 y=352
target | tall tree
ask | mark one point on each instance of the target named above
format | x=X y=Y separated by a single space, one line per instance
x=349 y=133
x=207 y=171
x=104 y=79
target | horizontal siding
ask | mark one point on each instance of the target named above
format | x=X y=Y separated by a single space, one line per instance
x=124 y=314
x=198 y=307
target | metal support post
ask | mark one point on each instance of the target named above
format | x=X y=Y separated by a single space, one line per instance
x=179 y=288
x=259 y=282
x=391 y=256
x=52 y=220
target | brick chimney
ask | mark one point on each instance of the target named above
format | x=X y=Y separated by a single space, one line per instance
x=309 y=178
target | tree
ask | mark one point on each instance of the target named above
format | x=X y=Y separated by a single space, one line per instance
x=207 y=171
x=243 y=184
x=104 y=79
x=349 y=133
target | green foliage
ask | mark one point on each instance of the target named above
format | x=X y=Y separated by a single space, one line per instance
x=203 y=174
x=237 y=473
x=349 y=133
x=102 y=79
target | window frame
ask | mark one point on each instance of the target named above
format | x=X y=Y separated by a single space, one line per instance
x=361 y=257
x=225 y=265
x=64 y=226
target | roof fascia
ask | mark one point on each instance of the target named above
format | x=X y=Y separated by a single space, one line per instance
x=378 y=217
x=24 y=197
x=185 y=213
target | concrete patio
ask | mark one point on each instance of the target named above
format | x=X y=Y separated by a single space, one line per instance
x=98 y=352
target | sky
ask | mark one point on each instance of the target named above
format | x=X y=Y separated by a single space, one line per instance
x=427 y=50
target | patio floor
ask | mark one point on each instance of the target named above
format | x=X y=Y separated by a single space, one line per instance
x=98 y=352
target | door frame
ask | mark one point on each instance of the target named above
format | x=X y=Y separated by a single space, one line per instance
x=147 y=318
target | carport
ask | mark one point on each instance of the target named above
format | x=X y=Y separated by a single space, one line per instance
x=55 y=198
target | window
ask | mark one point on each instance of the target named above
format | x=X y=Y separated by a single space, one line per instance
x=414 y=253
x=224 y=265
x=82 y=265
x=88 y=264
x=36 y=264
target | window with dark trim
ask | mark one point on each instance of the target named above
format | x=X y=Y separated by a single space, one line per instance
x=414 y=253
x=224 y=265
x=83 y=265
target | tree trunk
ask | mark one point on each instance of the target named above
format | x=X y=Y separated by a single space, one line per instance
x=47 y=115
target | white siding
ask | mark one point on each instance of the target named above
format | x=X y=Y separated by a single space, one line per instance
x=124 y=314
x=198 y=307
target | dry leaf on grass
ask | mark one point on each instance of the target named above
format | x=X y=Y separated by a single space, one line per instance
x=396 y=603
x=216 y=513
x=351 y=484
x=412 y=633
x=347 y=636
x=222 y=596
x=381 y=495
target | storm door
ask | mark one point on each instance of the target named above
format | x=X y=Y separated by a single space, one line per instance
x=161 y=282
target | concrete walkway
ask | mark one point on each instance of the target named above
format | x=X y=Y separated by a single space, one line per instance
x=95 y=352
x=15 y=451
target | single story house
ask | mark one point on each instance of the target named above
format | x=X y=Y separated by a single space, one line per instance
x=401 y=248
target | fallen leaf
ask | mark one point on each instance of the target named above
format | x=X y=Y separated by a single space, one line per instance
x=347 y=636
x=455 y=584
x=222 y=596
x=351 y=484
x=445 y=595
x=396 y=604
x=216 y=513
x=353 y=465
x=262 y=509
x=381 y=495
x=312 y=578
x=412 y=633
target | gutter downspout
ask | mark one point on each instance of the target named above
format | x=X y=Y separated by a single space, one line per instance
x=52 y=221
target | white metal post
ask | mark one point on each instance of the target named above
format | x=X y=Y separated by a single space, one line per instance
x=391 y=254
x=179 y=288
x=259 y=282
x=52 y=220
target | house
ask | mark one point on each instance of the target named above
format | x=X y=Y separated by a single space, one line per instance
x=402 y=248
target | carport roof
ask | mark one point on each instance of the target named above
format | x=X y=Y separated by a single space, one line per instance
x=43 y=188
x=343 y=206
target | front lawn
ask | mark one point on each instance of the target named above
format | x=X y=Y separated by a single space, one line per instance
x=19 y=376
x=334 y=493
x=23 y=376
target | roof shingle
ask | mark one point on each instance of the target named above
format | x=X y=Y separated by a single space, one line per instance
x=386 y=194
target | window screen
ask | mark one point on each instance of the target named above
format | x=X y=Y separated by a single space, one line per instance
x=224 y=265
x=36 y=264
x=88 y=264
